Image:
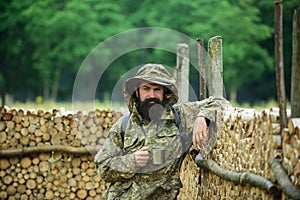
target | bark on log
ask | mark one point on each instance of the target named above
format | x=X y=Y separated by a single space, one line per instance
x=283 y=180
x=45 y=149
x=293 y=123
x=237 y=177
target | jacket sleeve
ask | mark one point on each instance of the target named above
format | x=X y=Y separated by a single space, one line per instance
x=206 y=108
x=111 y=164
x=211 y=106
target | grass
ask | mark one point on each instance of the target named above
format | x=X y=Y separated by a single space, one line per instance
x=260 y=106
x=49 y=105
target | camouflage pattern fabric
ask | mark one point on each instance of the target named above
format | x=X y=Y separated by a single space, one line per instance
x=115 y=161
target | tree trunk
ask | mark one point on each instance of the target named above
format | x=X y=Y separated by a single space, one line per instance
x=56 y=83
x=46 y=88
x=233 y=95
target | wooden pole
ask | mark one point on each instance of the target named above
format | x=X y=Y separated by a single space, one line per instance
x=201 y=68
x=279 y=64
x=295 y=89
x=215 y=67
x=183 y=72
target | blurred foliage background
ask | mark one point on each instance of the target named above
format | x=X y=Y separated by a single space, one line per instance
x=43 y=43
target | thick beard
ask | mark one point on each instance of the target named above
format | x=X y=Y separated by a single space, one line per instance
x=150 y=111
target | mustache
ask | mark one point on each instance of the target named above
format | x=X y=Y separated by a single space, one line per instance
x=155 y=100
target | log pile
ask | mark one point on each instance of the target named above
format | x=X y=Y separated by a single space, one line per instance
x=190 y=176
x=246 y=142
x=288 y=152
x=50 y=176
x=46 y=155
x=291 y=150
x=20 y=129
x=244 y=145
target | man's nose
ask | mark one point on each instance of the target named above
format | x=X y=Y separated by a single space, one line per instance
x=151 y=94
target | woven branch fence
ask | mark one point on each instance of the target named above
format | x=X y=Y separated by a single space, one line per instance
x=47 y=155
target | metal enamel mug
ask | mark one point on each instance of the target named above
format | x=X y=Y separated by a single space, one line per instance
x=158 y=155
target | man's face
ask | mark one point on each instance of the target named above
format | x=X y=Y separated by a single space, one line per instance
x=150 y=101
x=150 y=91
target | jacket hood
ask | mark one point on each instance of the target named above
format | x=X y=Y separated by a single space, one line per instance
x=152 y=73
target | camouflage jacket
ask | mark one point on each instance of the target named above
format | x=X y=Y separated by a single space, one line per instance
x=116 y=163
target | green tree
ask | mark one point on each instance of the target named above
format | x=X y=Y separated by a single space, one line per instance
x=63 y=37
x=242 y=31
x=15 y=50
x=238 y=22
x=268 y=18
x=43 y=43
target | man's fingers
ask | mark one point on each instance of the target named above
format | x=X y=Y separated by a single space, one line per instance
x=142 y=156
x=199 y=141
x=194 y=140
x=199 y=132
x=144 y=149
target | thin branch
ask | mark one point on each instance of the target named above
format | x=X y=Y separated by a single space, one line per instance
x=236 y=177
x=45 y=149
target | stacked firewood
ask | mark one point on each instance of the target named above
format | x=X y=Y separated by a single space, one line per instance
x=288 y=148
x=291 y=150
x=19 y=129
x=287 y=142
x=47 y=155
x=50 y=176
x=244 y=144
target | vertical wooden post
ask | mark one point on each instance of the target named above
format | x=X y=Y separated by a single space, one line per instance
x=183 y=72
x=295 y=89
x=215 y=67
x=201 y=68
x=279 y=64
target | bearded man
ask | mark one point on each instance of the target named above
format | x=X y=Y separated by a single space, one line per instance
x=126 y=160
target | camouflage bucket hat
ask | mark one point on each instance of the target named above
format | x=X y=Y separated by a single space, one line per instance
x=152 y=73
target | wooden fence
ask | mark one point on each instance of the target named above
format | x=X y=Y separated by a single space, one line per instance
x=44 y=155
